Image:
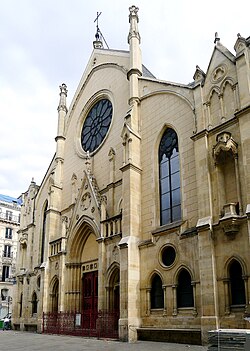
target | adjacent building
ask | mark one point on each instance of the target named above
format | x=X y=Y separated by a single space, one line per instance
x=10 y=209
x=144 y=210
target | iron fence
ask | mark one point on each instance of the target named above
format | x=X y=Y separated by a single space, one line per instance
x=101 y=324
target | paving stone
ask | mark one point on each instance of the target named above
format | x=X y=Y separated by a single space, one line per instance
x=24 y=341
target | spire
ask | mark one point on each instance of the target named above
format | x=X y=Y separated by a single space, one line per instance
x=62 y=111
x=134 y=39
x=63 y=95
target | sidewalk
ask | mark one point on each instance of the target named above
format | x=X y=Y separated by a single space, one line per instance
x=25 y=341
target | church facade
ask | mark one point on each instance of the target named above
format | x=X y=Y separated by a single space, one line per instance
x=145 y=207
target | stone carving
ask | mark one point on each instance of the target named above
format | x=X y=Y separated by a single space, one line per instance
x=86 y=201
x=225 y=143
x=218 y=73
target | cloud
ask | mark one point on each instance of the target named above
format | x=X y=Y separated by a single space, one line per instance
x=49 y=42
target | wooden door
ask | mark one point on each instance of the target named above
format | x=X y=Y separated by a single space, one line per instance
x=90 y=299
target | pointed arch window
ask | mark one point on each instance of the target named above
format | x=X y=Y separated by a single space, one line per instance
x=185 y=296
x=169 y=178
x=237 y=286
x=157 y=297
x=55 y=296
x=34 y=302
x=21 y=306
x=43 y=231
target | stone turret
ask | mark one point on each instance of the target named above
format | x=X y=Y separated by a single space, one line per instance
x=134 y=40
x=60 y=138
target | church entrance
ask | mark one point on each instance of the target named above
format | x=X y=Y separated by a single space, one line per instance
x=90 y=300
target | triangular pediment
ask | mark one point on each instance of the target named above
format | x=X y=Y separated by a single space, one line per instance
x=221 y=67
x=220 y=54
x=88 y=201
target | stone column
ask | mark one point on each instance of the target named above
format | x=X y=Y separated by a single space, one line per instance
x=174 y=289
x=208 y=278
x=226 y=293
x=238 y=187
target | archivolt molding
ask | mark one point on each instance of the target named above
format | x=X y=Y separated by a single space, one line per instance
x=151 y=276
x=219 y=89
x=178 y=270
x=230 y=260
x=228 y=80
x=80 y=233
x=89 y=76
x=168 y=91
x=112 y=268
x=53 y=281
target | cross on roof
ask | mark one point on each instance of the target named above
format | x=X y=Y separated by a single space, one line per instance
x=98 y=14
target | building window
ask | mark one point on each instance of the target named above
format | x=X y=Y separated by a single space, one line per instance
x=168 y=256
x=7 y=251
x=8 y=233
x=157 y=297
x=185 y=297
x=5 y=273
x=169 y=178
x=9 y=215
x=4 y=294
x=238 y=295
x=34 y=302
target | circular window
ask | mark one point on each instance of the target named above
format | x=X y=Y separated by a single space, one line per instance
x=96 y=125
x=168 y=255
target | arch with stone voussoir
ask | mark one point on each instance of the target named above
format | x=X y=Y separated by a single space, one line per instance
x=112 y=283
x=239 y=286
x=82 y=250
x=54 y=294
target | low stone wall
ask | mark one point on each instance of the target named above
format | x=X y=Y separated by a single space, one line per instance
x=181 y=336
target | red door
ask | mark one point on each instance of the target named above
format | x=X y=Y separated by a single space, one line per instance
x=90 y=299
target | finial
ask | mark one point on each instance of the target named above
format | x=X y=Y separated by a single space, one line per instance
x=97 y=43
x=238 y=35
x=63 y=95
x=133 y=20
x=133 y=12
x=199 y=74
x=63 y=89
x=216 y=38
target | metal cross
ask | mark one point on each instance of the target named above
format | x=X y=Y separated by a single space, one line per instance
x=98 y=14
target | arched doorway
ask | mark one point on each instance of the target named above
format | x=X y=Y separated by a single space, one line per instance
x=82 y=275
x=55 y=296
x=114 y=290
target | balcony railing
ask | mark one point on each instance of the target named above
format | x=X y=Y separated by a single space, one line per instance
x=112 y=226
x=7 y=259
x=10 y=218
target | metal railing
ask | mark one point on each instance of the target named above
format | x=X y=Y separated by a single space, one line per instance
x=96 y=324
x=9 y=217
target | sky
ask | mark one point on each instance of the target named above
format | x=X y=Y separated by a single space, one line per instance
x=47 y=43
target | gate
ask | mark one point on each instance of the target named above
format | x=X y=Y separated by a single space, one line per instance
x=101 y=324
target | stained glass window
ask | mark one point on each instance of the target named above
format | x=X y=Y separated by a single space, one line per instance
x=96 y=125
x=169 y=176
